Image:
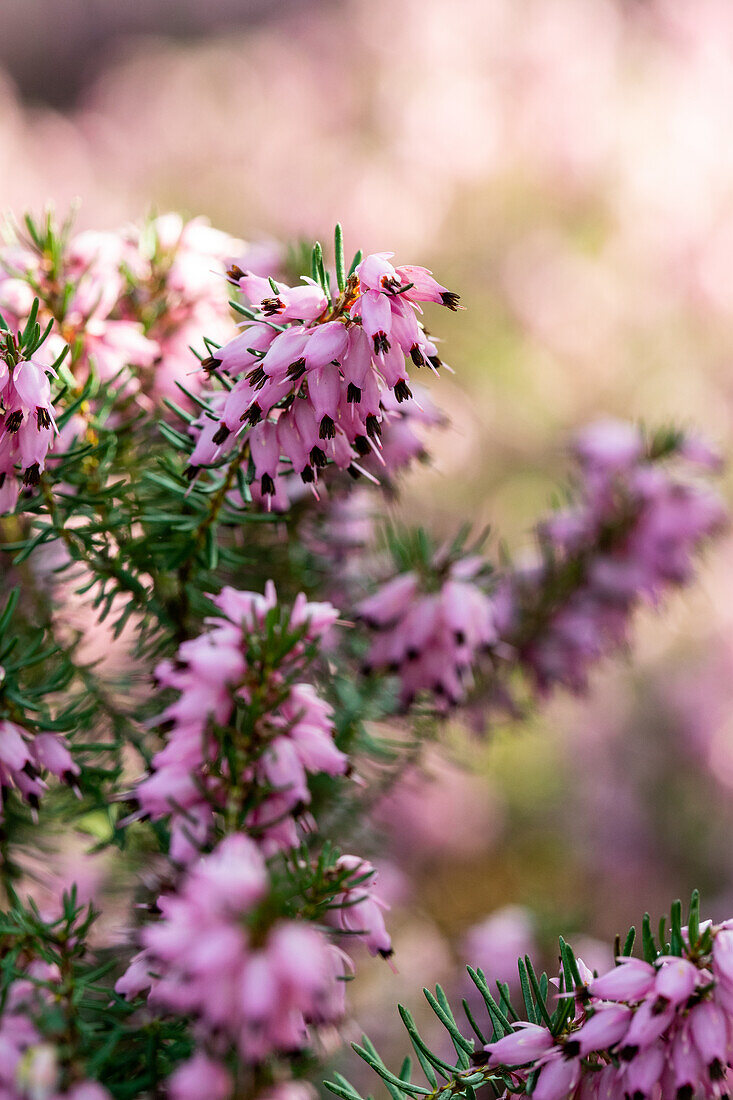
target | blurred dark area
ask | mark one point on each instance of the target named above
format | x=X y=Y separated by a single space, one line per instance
x=53 y=48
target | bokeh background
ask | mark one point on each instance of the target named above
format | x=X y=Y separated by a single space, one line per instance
x=566 y=166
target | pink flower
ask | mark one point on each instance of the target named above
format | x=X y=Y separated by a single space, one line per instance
x=358 y=910
x=709 y=1027
x=675 y=982
x=643 y=1073
x=603 y=1030
x=526 y=1044
x=200 y=1077
x=630 y=981
x=558 y=1077
x=51 y=752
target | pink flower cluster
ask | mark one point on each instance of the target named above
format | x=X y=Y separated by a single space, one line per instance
x=130 y=298
x=292 y=733
x=645 y=1031
x=429 y=630
x=23 y=756
x=17 y=1031
x=217 y=954
x=181 y=293
x=27 y=427
x=632 y=534
x=318 y=381
x=29 y=1067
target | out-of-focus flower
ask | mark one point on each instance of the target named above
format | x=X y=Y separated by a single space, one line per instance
x=497 y=942
x=632 y=534
x=429 y=630
x=24 y=756
x=358 y=910
x=260 y=986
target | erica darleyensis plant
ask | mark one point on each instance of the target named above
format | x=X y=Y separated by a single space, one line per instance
x=657 y=1027
x=214 y=661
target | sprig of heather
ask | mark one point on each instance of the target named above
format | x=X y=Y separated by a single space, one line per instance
x=314 y=379
x=130 y=302
x=245 y=731
x=259 y=974
x=46 y=977
x=432 y=620
x=635 y=524
x=630 y=534
x=656 y=1027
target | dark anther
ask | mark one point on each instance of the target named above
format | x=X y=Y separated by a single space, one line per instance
x=210 y=363
x=271 y=306
x=327 y=429
x=253 y=414
x=373 y=427
x=416 y=355
x=235 y=272
x=353 y=394
x=318 y=457
x=352 y=471
x=307 y=475
x=435 y=361
x=14 y=420
x=42 y=418
x=449 y=299
x=220 y=434
x=716 y=1069
x=268 y=485
x=257 y=377
x=361 y=445
x=190 y=472
x=381 y=343
x=32 y=475
x=402 y=391
x=297 y=369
